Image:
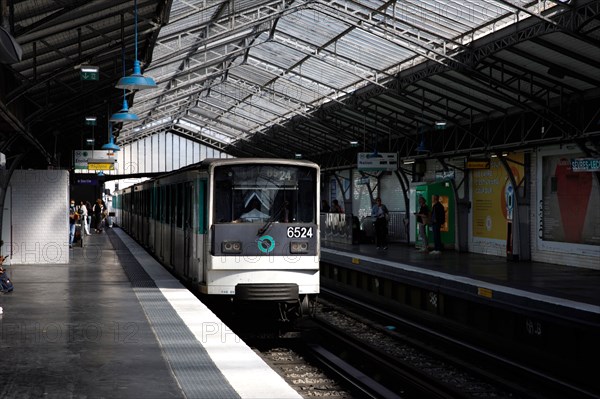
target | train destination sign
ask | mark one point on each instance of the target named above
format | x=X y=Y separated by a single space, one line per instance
x=585 y=165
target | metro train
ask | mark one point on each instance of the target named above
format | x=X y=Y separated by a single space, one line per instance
x=246 y=230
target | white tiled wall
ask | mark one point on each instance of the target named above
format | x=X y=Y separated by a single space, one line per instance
x=38 y=217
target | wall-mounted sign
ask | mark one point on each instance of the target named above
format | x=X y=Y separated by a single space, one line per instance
x=585 y=165
x=477 y=163
x=101 y=165
x=382 y=161
x=81 y=159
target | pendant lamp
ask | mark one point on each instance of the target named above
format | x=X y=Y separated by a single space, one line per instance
x=124 y=115
x=422 y=147
x=111 y=147
x=136 y=81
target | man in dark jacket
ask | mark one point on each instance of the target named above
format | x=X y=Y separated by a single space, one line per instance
x=438 y=218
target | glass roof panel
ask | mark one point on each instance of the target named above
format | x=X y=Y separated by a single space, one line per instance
x=246 y=67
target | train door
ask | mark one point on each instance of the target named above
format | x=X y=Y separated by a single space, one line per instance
x=188 y=228
x=152 y=218
x=177 y=232
x=160 y=222
x=168 y=225
x=201 y=206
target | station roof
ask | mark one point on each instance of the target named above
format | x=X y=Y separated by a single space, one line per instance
x=318 y=78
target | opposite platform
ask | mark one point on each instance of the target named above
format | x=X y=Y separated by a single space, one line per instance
x=113 y=323
x=570 y=291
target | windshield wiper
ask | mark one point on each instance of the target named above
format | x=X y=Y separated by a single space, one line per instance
x=269 y=222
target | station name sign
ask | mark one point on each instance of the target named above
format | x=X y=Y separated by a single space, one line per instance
x=93 y=160
x=585 y=165
x=382 y=161
x=477 y=163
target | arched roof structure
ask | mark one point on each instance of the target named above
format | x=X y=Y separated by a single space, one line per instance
x=313 y=77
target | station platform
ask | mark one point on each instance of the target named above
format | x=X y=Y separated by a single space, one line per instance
x=569 y=292
x=114 y=323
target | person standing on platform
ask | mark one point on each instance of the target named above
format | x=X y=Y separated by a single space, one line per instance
x=83 y=212
x=422 y=222
x=88 y=220
x=73 y=217
x=335 y=207
x=325 y=206
x=381 y=215
x=438 y=218
x=98 y=215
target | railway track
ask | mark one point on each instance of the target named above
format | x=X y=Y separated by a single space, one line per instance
x=473 y=371
x=336 y=355
x=352 y=349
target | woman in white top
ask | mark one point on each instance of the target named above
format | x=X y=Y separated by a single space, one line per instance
x=83 y=211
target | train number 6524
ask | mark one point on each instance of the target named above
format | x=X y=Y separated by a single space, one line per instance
x=299 y=232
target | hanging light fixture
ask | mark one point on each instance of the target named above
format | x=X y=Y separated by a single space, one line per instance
x=136 y=81
x=124 y=115
x=111 y=147
x=422 y=147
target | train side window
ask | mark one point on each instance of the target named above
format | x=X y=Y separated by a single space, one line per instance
x=187 y=207
x=223 y=197
x=148 y=210
x=168 y=205
x=161 y=208
x=179 y=207
x=202 y=206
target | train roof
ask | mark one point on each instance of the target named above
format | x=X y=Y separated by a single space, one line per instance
x=211 y=162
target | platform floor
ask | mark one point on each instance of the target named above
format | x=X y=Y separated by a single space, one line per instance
x=569 y=287
x=113 y=324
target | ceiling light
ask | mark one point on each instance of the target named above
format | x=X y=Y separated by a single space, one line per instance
x=111 y=147
x=298 y=156
x=354 y=143
x=89 y=69
x=408 y=161
x=136 y=81
x=422 y=147
x=124 y=115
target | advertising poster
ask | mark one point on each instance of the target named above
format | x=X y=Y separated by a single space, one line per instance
x=493 y=197
x=568 y=210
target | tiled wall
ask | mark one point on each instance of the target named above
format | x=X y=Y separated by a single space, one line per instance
x=38 y=217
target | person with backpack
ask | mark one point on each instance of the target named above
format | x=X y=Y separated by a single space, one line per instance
x=438 y=218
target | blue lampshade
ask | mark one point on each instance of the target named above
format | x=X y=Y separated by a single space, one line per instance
x=422 y=147
x=136 y=81
x=124 y=115
x=111 y=146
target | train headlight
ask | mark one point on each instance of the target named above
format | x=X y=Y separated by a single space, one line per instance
x=231 y=247
x=298 y=247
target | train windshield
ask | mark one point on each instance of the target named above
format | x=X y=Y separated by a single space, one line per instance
x=264 y=193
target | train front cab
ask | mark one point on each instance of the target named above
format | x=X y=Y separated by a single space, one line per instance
x=264 y=233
